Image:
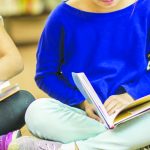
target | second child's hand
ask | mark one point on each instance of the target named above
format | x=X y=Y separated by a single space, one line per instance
x=116 y=102
x=90 y=110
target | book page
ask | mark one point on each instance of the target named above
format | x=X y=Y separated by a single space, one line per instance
x=89 y=93
x=133 y=104
x=3 y=85
x=10 y=91
x=138 y=102
x=132 y=112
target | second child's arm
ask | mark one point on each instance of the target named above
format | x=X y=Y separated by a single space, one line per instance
x=10 y=58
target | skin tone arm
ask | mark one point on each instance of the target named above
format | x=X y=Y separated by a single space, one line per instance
x=112 y=104
x=10 y=59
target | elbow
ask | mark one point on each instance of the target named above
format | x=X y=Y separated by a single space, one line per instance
x=18 y=65
x=41 y=84
x=38 y=82
x=10 y=68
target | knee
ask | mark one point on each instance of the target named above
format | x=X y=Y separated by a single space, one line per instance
x=40 y=117
x=40 y=105
x=22 y=99
x=27 y=97
x=38 y=110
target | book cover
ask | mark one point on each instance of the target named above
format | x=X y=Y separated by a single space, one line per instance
x=7 y=89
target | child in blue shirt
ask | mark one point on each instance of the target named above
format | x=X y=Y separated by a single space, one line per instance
x=109 y=40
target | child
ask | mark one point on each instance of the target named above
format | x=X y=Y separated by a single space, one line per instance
x=109 y=40
x=12 y=109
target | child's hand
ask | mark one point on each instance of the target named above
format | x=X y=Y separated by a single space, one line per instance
x=116 y=102
x=91 y=112
x=89 y=109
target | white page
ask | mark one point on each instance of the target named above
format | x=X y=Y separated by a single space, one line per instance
x=4 y=85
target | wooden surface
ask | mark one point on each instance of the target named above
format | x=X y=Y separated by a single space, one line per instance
x=25 y=131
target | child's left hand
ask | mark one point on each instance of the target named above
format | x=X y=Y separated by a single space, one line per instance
x=116 y=102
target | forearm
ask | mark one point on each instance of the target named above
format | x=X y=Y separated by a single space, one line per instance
x=10 y=59
x=9 y=67
x=59 y=89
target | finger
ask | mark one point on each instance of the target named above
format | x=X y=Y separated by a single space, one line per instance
x=108 y=101
x=111 y=105
x=115 y=109
x=100 y=120
x=112 y=110
x=91 y=114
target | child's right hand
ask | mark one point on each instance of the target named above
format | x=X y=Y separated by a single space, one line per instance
x=90 y=110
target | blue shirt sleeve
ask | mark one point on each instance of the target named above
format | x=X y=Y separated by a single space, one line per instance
x=139 y=88
x=48 y=68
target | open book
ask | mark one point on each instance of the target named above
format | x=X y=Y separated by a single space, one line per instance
x=7 y=89
x=132 y=110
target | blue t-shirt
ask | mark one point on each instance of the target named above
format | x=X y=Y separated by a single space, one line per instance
x=111 y=48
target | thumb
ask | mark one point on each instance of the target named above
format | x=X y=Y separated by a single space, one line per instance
x=92 y=115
